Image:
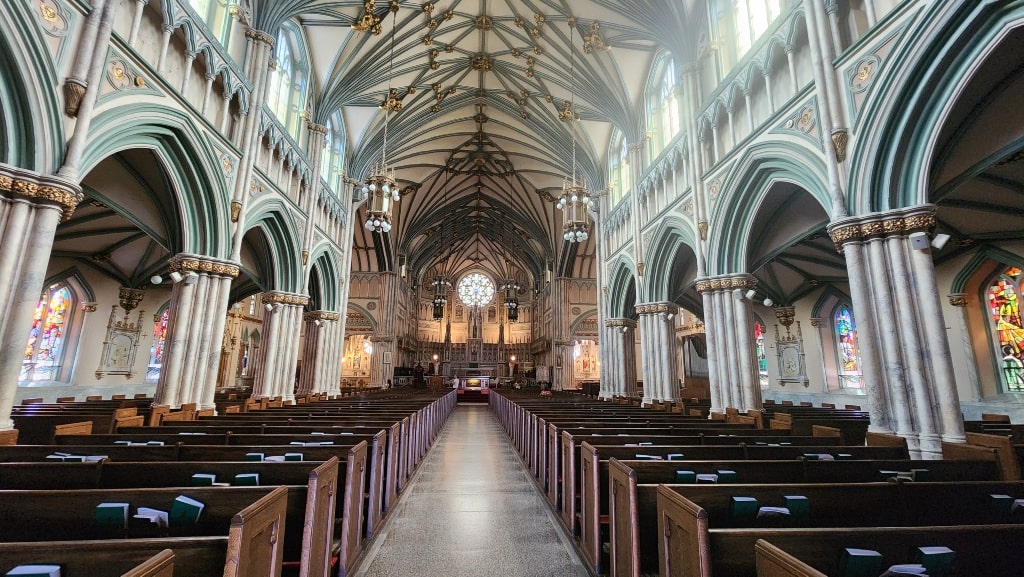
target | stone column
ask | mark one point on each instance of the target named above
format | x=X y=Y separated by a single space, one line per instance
x=195 y=327
x=659 y=351
x=900 y=326
x=316 y=362
x=959 y=301
x=31 y=206
x=279 y=349
x=622 y=339
x=728 y=326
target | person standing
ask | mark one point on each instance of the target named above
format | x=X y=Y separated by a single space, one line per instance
x=455 y=382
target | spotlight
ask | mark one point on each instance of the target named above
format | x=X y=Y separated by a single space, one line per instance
x=750 y=294
x=919 y=241
x=177 y=276
x=236 y=306
x=940 y=241
x=316 y=322
x=670 y=316
x=192 y=277
x=268 y=307
x=156 y=279
x=769 y=302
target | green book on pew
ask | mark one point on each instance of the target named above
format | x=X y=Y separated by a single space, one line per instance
x=860 y=563
x=247 y=479
x=936 y=560
x=798 y=505
x=743 y=507
x=185 y=511
x=112 y=515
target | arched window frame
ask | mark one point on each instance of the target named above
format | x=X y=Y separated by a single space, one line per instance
x=618 y=168
x=1006 y=326
x=58 y=366
x=850 y=376
x=332 y=163
x=219 y=17
x=737 y=25
x=288 y=86
x=761 y=351
x=663 y=119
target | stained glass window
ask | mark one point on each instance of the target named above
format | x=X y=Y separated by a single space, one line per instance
x=476 y=290
x=1004 y=307
x=156 y=350
x=846 y=347
x=762 y=359
x=45 y=347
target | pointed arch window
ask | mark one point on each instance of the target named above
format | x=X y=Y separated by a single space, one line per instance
x=47 y=337
x=759 y=349
x=847 y=351
x=1008 y=329
x=663 y=108
x=286 y=89
x=738 y=24
x=156 y=350
x=618 y=173
x=218 y=16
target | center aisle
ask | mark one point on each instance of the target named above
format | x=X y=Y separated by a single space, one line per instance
x=472 y=510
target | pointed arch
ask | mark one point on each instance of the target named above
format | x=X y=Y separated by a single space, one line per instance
x=278 y=267
x=622 y=289
x=328 y=277
x=669 y=243
x=194 y=176
x=760 y=167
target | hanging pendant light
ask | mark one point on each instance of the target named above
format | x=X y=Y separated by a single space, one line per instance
x=575 y=198
x=380 y=189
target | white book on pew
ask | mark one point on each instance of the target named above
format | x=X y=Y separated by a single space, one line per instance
x=95 y=458
x=346 y=433
x=707 y=478
x=643 y=457
x=767 y=512
x=274 y=458
x=905 y=569
x=34 y=571
x=157 y=517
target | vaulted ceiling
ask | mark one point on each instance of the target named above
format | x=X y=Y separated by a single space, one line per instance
x=478 y=144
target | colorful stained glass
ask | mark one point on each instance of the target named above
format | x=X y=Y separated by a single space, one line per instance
x=762 y=359
x=476 y=290
x=156 y=350
x=1004 y=305
x=846 y=347
x=45 y=347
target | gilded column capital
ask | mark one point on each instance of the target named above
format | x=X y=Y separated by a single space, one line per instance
x=260 y=36
x=130 y=298
x=38 y=188
x=958 y=299
x=656 y=308
x=316 y=128
x=320 y=316
x=882 y=224
x=726 y=282
x=623 y=323
x=284 y=298
x=203 y=264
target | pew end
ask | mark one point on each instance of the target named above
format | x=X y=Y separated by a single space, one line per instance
x=256 y=537
x=1005 y=453
x=9 y=437
x=159 y=565
x=774 y=562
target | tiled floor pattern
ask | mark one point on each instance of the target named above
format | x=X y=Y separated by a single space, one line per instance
x=471 y=510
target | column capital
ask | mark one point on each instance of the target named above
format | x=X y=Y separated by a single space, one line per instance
x=260 y=36
x=726 y=282
x=294 y=299
x=625 y=323
x=39 y=188
x=320 y=316
x=316 y=128
x=206 y=264
x=898 y=222
x=656 y=308
x=957 y=299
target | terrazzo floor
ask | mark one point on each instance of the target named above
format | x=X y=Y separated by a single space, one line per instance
x=471 y=510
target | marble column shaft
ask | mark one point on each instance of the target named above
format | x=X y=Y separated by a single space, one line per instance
x=711 y=340
x=903 y=327
x=959 y=302
x=31 y=206
x=659 y=351
x=728 y=326
x=279 y=349
x=195 y=325
x=621 y=344
x=750 y=384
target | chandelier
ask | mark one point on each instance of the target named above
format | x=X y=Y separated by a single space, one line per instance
x=441 y=287
x=511 y=289
x=380 y=188
x=575 y=198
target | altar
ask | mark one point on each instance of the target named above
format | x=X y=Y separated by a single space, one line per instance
x=482 y=382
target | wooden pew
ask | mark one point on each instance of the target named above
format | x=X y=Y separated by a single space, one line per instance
x=193 y=556
x=159 y=565
x=633 y=491
x=253 y=530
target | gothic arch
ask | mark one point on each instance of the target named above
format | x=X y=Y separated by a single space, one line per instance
x=280 y=268
x=621 y=288
x=32 y=132
x=324 y=263
x=923 y=79
x=673 y=235
x=200 y=191
x=761 y=166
